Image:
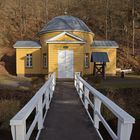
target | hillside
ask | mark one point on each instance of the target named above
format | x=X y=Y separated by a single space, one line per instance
x=108 y=19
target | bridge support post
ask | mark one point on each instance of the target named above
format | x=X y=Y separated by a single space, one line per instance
x=86 y=93
x=51 y=91
x=40 y=111
x=80 y=89
x=53 y=83
x=47 y=94
x=97 y=107
x=52 y=87
x=76 y=80
x=124 y=130
x=19 y=131
x=13 y=131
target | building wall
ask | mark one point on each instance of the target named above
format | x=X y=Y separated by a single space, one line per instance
x=20 y=61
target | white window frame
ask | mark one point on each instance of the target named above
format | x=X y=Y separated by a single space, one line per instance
x=45 y=60
x=86 y=60
x=29 y=60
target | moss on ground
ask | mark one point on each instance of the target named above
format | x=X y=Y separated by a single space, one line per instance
x=130 y=81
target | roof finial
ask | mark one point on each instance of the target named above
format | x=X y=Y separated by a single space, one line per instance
x=65 y=12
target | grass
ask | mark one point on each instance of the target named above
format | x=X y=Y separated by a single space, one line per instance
x=20 y=83
x=15 y=82
x=8 y=108
x=130 y=81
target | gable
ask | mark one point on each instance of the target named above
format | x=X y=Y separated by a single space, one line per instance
x=65 y=37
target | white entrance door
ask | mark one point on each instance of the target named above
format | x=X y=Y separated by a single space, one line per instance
x=65 y=63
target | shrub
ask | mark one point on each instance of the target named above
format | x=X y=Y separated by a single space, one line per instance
x=8 y=108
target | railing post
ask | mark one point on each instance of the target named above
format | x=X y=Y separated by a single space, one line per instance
x=124 y=130
x=81 y=89
x=40 y=111
x=49 y=75
x=19 y=131
x=86 y=97
x=53 y=83
x=52 y=86
x=13 y=131
x=97 y=107
x=51 y=90
x=76 y=80
x=47 y=97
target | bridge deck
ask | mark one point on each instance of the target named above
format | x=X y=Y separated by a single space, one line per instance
x=67 y=119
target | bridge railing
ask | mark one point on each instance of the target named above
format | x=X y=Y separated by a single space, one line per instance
x=125 y=121
x=38 y=102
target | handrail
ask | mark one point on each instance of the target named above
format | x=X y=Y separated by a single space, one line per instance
x=18 y=122
x=125 y=121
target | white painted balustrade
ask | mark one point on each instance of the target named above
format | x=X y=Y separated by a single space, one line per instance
x=39 y=101
x=125 y=121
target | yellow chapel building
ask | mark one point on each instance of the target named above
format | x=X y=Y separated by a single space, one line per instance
x=66 y=46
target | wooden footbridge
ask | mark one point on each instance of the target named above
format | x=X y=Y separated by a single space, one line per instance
x=62 y=113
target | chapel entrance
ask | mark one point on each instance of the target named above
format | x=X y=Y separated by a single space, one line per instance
x=65 y=64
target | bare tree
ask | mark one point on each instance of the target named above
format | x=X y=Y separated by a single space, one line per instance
x=133 y=27
x=106 y=28
x=46 y=10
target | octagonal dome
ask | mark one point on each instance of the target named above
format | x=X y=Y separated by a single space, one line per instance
x=65 y=23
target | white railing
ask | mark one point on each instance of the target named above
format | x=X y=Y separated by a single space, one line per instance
x=124 y=70
x=125 y=121
x=38 y=102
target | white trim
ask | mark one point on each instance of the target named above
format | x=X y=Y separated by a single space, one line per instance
x=57 y=36
x=27 y=47
x=74 y=36
x=66 y=42
x=53 y=39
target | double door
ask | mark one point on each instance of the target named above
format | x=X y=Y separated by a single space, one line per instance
x=65 y=64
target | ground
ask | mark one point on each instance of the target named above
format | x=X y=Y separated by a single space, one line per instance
x=15 y=82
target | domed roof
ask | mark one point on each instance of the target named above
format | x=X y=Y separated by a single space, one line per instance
x=65 y=23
